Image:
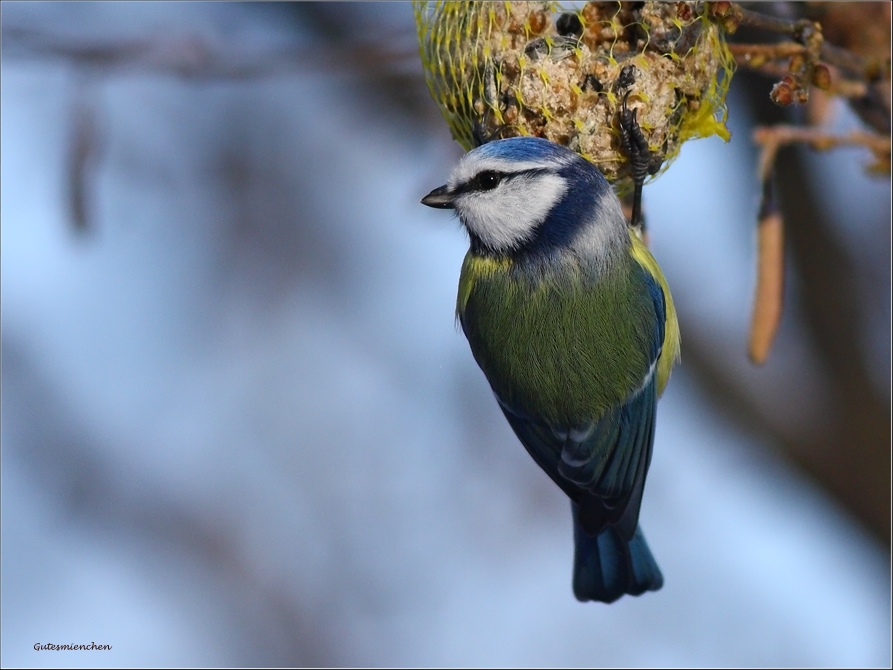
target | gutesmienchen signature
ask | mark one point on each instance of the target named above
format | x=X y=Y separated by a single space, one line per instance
x=38 y=646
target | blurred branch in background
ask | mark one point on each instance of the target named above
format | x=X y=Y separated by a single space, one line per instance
x=858 y=71
x=196 y=57
x=852 y=459
x=853 y=41
x=385 y=70
x=84 y=152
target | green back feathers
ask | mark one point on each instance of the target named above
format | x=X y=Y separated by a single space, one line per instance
x=556 y=346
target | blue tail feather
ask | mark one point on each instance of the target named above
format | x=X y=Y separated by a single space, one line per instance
x=606 y=566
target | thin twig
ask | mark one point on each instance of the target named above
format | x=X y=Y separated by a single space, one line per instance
x=819 y=139
x=765 y=22
x=755 y=55
x=833 y=55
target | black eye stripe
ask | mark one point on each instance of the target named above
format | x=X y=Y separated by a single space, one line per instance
x=487 y=180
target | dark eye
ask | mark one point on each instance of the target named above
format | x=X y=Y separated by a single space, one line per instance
x=487 y=181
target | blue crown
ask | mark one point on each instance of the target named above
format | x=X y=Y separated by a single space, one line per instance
x=526 y=148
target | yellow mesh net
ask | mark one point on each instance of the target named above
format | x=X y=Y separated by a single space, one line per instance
x=501 y=69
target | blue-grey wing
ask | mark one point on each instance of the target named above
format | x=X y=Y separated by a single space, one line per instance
x=602 y=470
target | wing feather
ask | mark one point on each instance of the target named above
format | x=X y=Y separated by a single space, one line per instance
x=602 y=465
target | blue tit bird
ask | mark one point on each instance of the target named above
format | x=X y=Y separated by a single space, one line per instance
x=571 y=320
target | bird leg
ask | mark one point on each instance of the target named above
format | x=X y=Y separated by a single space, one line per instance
x=642 y=161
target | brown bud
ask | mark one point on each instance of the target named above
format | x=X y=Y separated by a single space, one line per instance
x=782 y=94
x=821 y=77
x=727 y=14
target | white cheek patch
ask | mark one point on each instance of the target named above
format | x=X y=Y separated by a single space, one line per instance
x=506 y=217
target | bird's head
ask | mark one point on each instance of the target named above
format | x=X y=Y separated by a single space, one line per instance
x=529 y=194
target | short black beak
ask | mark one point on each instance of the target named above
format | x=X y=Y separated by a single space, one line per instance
x=439 y=198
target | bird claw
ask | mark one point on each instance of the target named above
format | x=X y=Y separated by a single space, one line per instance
x=634 y=143
x=641 y=159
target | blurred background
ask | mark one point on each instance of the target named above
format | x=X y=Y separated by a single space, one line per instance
x=240 y=427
